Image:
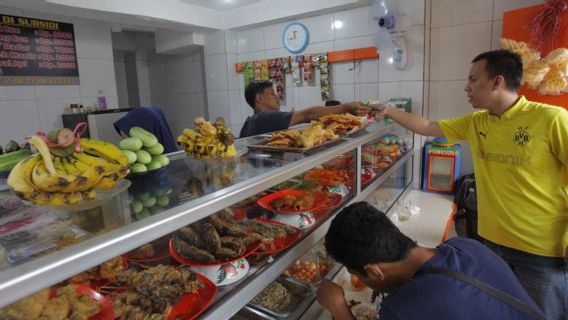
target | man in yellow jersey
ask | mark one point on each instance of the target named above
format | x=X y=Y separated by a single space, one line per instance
x=519 y=150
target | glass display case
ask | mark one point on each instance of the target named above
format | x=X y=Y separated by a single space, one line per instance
x=375 y=164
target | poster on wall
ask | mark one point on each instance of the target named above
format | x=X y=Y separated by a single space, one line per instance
x=37 y=52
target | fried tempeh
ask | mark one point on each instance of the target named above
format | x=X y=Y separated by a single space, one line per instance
x=193 y=253
x=226 y=228
x=223 y=253
x=191 y=236
x=209 y=235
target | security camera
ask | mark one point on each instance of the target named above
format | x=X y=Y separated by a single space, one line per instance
x=394 y=23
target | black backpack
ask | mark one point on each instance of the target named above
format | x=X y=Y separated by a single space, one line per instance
x=465 y=219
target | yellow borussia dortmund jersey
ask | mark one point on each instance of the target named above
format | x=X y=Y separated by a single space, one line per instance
x=519 y=161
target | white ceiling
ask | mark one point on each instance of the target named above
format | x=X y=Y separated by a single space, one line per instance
x=222 y=5
x=184 y=15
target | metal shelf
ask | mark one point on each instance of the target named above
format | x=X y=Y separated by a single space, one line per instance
x=23 y=280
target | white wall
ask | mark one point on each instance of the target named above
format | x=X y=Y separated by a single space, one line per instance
x=177 y=86
x=26 y=109
x=459 y=31
x=121 y=80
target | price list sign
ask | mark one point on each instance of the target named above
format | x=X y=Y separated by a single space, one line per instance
x=37 y=52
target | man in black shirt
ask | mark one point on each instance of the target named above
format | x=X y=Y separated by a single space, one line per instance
x=267 y=116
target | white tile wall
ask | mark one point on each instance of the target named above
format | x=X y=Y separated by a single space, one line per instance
x=414 y=69
x=8 y=93
x=366 y=71
x=215 y=43
x=218 y=105
x=250 y=40
x=451 y=12
x=20 y=118
x=317 y=47
x=343 y=72
x=320 y=28
x=367 y=92
x=216 y=75
x=236 y=100
x=231 y=41
x=453 y=48
x=93 y=39
x=356 y=42
x=497 y=29
x=92 y=81
x=356 y=23
x=444 y=105
x=177 y=85
x=343 y=92
x=403 y=89
x=272 y=35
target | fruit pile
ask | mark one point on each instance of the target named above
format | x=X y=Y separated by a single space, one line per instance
x=67 y=170
x=208 y=140
x=12 y=154
x=143 y=150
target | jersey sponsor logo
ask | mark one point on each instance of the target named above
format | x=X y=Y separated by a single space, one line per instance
x=516 y=160
x=483 y=134
x=521 y=136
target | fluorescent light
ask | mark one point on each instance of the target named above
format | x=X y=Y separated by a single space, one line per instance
x=391 y=60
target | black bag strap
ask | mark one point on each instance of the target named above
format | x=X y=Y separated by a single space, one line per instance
x=492 y=291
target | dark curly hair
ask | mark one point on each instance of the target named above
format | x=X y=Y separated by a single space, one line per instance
x=505 y=63
x=255 y=87
x=360 y=235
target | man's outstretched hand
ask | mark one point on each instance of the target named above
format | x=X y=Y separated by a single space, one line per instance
x=357 y=108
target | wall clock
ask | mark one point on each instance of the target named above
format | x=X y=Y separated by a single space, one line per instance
x=295 y=37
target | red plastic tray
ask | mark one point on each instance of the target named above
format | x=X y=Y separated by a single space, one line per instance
x=106 y=313
x=282 y=243
x=330 y=201
x=178 y=257
x=191 y=305
x=266 y=200
x=162 y=255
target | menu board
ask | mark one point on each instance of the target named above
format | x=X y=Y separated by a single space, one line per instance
x=37 y=52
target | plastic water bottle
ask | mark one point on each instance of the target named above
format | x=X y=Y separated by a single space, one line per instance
x=101 y=100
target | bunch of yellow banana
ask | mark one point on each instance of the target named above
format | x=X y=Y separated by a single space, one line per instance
x=208 y=140
x=52 y=179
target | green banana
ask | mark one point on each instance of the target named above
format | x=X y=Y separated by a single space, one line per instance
x=105 y=150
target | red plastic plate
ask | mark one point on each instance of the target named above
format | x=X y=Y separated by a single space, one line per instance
x=266 y=200
x=330 y=201
x=179 y=258
x=282 y=243
x=106 y=313
x=191 y=305
x=162 y=253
